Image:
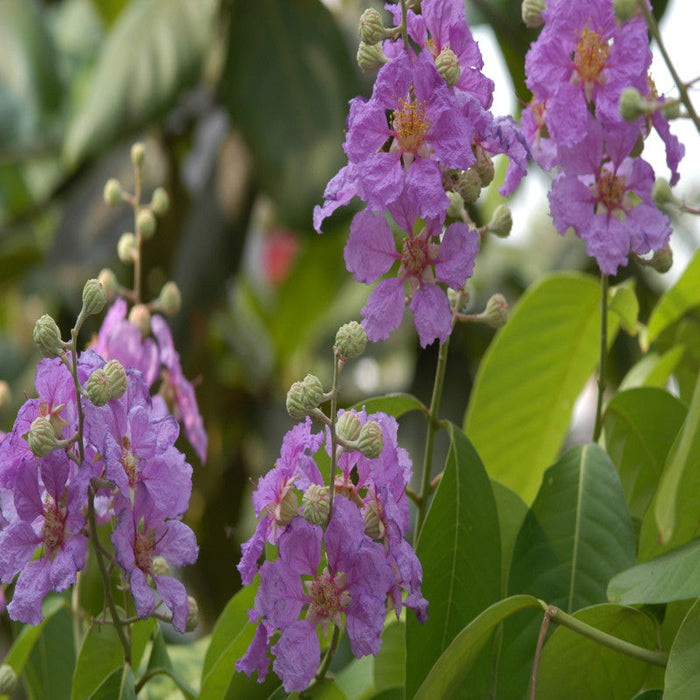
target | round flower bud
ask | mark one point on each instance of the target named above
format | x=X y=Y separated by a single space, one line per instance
x=192 y=615
x=41 y=437
x=348 y=426
x=661 y=192
x=316 y=504
x=531 y=11
x=5 y=395
x=160 y=566
x=47 y=337
x=447 y=65
x=146 y=223
x=94 y=297
x=160 y=202
x=671 y=110
x=455 y=209
x=304 y=396
x=109 y=281
x=116 y=378
x=97 y=388
x=138 y=153
x=496 y=312
x=288 y=508
x=632 y=105
x=371 y=440
x=350 y=340
x=370 y=57
x=625 y=9
x=112 y=192
x=127 y=248
x=501 y=222
x=468 y=185
x=484 y=167
x=371 y=27
x=662 y=260
x=8 y=680
x=169 y=299
x=140 y=316
x=374 y=527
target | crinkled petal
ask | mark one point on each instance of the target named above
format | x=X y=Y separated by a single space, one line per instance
x=455 y=260
x=433 y=317
x=256 y=657
x=31 y=588
x=141 y=592
x=297 y=655
x=384 y=309
x=174 y=595
x=251 y=551
x=370 y=250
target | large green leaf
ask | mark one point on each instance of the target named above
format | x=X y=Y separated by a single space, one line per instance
x=577 y=535
x=119 y=685
x=390 y=663
x=100 y=654
x=459 y=548
x=653 y=369
x=624 y=303
x=683 y=671
x=450 y=670
x=530 y=377
x=577 y=668
x=511 y=513
x=393 y=404
x=154 y=50
x=640 y=427
x=683 y=296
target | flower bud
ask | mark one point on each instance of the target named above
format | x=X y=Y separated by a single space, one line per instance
x=662 y=261
x=8 y=680
x=109 y=281
x=661 y=193
x=169 y=299
x=192 y=615
x=350 y=340
x=304 y=396
x=41 y=437
x=288 y=508
x=138 y=153
x=160 y=202
x=316 y=504
x=348 y=426
x=632 y=105
x=5 y=395
x=468 y=185
x=160 y=566
x=531 y=11
x=140 y=316
x=496 y=312
x=94 y=297
x=371 y=440
x=370 y=57
x=97 y=388
x=625 y=9
x=455 y=209
x=47 y=337
x=671 y=110
x=374 y=527
x=146 y=223
x=116 y=378
x=501 y=222
x=371 y=27
x=447 y=65
x=127 y=248
x=112 y=192
x=484 y=167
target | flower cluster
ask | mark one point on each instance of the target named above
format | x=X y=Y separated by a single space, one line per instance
x=425 y=131
x=342 y=556
x=582 y=63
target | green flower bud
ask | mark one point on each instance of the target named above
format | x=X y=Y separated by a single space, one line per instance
x=468 y=185
x=632 y=105
x=140 y=316
x=94 y=297
x=371 y=440
x=316 y=504
x=371 y=27
x=5 y=395
x=160 y=566
x=374 y=527
x=97 y=388
x=127 y=248
x=192 y=615
x=501 y=222
x=288 y=508
x=8 y=680
x=370 y=57
x=116 y=378
x=109 y=281
x=41 y=437
x=496 y=312
x=447 y=65
x=169 y=299
x=484 y=167
x=160 y=202
x=47 y=337
x=113 y=194
x=348 y=426
x=661 y=193
x=146 y=223
x=625 y=9
x=304 y=396
x=671 y=110
x=531 y=11
x=138 y=153
x=350 y=340
x=662 y=260
x=455 y=209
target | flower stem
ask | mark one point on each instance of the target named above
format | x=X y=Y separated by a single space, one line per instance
x=404 y=24
x=330 y=653
x=334 y=438
x=538 y=652
x=603 y=355
x=433 y=425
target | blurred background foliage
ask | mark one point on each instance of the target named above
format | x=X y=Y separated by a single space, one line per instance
x=242 y=106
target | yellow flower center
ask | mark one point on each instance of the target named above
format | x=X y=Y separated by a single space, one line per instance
x=410 y=124
x=610 y=191
x=130 y=462
x=590 y=57
x=415 y=256
x=54 y=525
x=144 y=544
x=328 y=599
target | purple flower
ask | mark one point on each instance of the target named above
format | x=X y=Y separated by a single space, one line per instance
x=542 y=148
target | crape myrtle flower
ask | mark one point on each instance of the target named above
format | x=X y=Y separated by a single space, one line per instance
x=426 y=257
x=347 y=587
x=542 y=147
x=49 y=518
x=605 y=195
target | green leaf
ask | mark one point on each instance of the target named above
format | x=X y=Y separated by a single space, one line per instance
x=682 y=679
x=624 y=303
x=652 y=694
x=356 y=679
x=653 y=369
x=459 y=548
x=100 y=654
x=530 y=377
x=640 y=426
x=577 y=535
x=674 y=575
x=390 y=663
x=577 y=668
x=119 y=685
x=159 y=663
x=154 y=50
x=450 y=670
x=393 y=404
x=683 y=296
x=287 y=82
x=511 y=513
